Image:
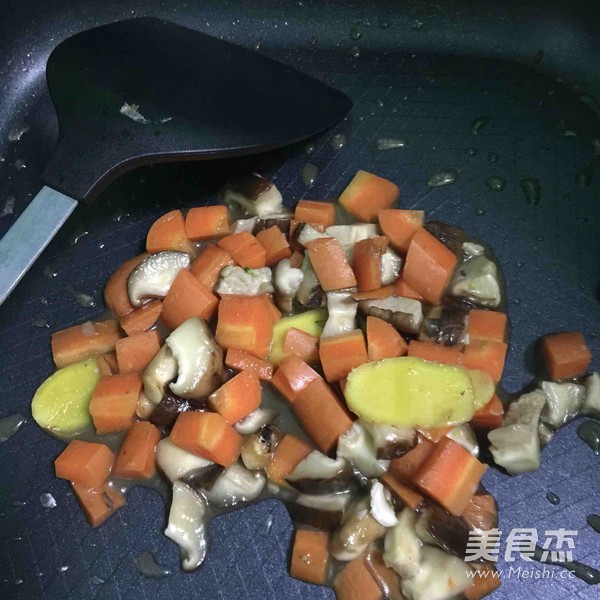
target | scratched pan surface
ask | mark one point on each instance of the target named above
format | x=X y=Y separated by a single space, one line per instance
x=538 y=127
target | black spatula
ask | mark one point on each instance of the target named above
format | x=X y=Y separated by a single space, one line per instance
x=145 y=91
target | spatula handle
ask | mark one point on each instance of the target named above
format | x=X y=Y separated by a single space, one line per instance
x=31 y=233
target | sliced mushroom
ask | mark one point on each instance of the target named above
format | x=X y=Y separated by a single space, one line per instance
x=591 y=404
x=545 y=434
x=255 y=420
x=153 y=277
x=341 y=309
x=177 y=463
x=443 y=529
x=441 y=576
x=358 y=448
x=471 y=250
x=161 y=370
x=563 y=402
x=144 y=407
x=319 y=474
x=390 y=442
x=477 y=281
x=451 y=236
x=405 y=314
x=288 y=280
x=170 y=407
x=257 y=450
x=310 y=293
x=305 y=233
x=391 y=264
x=280 y=220
x=254 y=193
x=187 y=525
x=402 y=547
x=244 y=282
x=199 y=360
x=482 y=511
x=464 y=435
x=516 y=446
x=236 y=485
x=381 y=506
x=243 y=225
x=445 y=325
x=358 y=531
x=320 y=511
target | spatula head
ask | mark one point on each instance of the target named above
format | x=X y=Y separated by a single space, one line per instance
x=196 y=97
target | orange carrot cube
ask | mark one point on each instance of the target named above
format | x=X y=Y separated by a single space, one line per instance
x=366 y=262
x=240 y=361
x=114 y=402
x=383 y=341
x=486 y=325
x=204 y=222
x=98 y=504
x=400 y=226
x=290 y=451
x=116 y=295
x=566 y=354
x=310 y=556
x=141 y=319
x=485 y=355
x=435 y=352
x=238 y=397
x=275 y=244
x=309 y=211
x=135 y=353
x=302 y=344
x=367 y=194
x=292 y=376
x=136 y=457
x=85 y=463
x=245 y=250
x=330 y=264
x=207 y=267
x=341 y=353
x=168 y=233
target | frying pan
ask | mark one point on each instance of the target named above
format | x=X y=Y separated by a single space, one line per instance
x=421 y=72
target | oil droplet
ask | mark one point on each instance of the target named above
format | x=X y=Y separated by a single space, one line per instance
x=589 y=432
x=338 y=141
x=380 y=103
x=146 y=565
x=445 y=177
x=43 y=300
x=119 y=215
x=47 y=500
x=390 y=143
x=82 y=299
x=268 y=524
x=517 y=301
x=79 y=233
x=584 y=177
x=355 y=34
x=384 y=24
x=313 y=42
x=40 y=322
x=539 y=238
x=580 y=570
x=63 y=569
x=478 y=124
x=594 y=522
x=20 y=164
x=101 y=246
x=97 y=580
x=537 y=59
x=309 y=148
x=9 y=206
x=570 y=133
x=520 y=263
x=492 y=157
x=256 y=46
x=552 y=498
x=531 y=189
x=50 y=273
x=416 y=25
x=309 y=174
x=354 y=52
x=9 y=426
x=596 y=146
x=470 y=151
x=480 y=212
x=496 y=183
x=17 y=132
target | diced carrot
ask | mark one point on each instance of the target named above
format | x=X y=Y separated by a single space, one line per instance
x=136 y=459
x=400 y=226
x=435 y=352
x=245 y=323
x=240 y=361
x=405 y=467
x=111 y=360
x=273 y=310
x=296 y=259
x=104 y=366
x=450 y=475
x=301 y=344
x=84 y=341
x=383 y=341
x=486 y=325
x=486 y=355
x=484 y=582
x=238 y=397
x=402 y=289
x=115 y=292
x=366 y=262
x=275 y=244
x=382 y=292
x=98 y=504
x=141 y=319
x=339 y=354
x=168 y=233
x=566 y=354
x=330 y=264
x=309 y=211
x=290 y=451
x=187 y=298
x=428 y=267
x=356 y=582
x=292 y=376
x=207 y=267
x=135 y=353
x=85 y=463
x=406 y=495
x=434 y=434
x=310 y=556
x=245 y=250
x=114 y=402
x=205 y=222
x=489 y=416
x=208 y=435
x=322 y=415
x=367 y=194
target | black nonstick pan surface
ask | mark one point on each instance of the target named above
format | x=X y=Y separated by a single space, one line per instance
x=422 y=73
